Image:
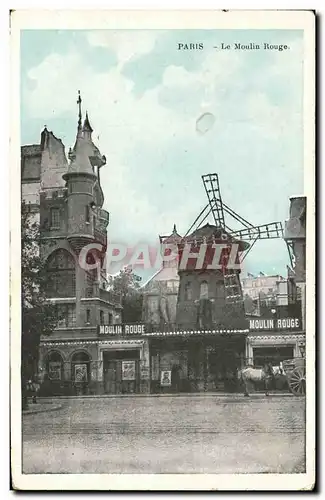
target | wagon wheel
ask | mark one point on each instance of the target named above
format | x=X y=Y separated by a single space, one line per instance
x=297 y=381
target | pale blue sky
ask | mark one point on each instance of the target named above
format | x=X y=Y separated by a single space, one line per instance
x=144 y=97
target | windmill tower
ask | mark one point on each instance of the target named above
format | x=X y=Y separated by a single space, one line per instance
x=210 y=296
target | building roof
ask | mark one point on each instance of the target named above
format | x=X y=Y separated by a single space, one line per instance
x=174 y=237
x=209 y=232
x=164 y=274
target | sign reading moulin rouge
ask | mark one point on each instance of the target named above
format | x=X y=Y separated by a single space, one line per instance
x=135 y=329
x=275 y=324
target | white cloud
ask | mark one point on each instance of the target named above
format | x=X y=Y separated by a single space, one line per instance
x=126 y=44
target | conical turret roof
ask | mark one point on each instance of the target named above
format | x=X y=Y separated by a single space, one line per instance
x=80 y=163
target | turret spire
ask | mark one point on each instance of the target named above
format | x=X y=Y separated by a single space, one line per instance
x=79 y=101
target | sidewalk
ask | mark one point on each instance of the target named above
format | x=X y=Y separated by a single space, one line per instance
x=41 y=407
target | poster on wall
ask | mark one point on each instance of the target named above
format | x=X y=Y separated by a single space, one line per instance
x=166 y=378
x=55 y=370
x=128 y=370
x=80 y=372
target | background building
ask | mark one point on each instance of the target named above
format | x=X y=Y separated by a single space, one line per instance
x=161 y=291
x=284 y=336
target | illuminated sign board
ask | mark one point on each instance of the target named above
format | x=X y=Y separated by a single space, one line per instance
x=114 y=330
x=275 y=324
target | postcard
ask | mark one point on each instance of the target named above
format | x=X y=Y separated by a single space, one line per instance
x=162 y=250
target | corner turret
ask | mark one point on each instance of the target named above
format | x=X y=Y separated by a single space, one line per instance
x=87 y=221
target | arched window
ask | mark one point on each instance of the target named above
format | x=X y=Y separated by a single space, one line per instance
x=91 y=275
x=61 y=274
x=204 y=290
x=188 y=291
x=55 y=366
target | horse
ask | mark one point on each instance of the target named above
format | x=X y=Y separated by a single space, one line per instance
x=253 y=375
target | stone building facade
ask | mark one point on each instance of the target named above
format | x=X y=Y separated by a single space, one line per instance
x=67 y=199
x=282 y=331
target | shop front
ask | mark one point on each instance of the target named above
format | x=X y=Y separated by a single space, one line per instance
x=265 y=347
x=196 y=361
x=121 y=371
x=104 y=366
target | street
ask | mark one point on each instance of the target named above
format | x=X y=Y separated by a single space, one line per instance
x=180 y=434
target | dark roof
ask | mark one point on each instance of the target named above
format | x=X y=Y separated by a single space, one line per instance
x=206 y=231
x=30 y=162
x=210 y=231
x=87 y=125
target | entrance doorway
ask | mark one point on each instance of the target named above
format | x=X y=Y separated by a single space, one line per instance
x=223 y=365
x=121 y=371
x=80 y=366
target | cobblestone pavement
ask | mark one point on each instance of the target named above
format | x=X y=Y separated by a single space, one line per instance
x=205 y=434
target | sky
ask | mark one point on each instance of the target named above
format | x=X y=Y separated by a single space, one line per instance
x=144 y=97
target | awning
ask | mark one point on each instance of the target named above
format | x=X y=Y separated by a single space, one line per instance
x=183 y=333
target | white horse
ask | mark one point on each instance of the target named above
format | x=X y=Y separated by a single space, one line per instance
x=253 y=375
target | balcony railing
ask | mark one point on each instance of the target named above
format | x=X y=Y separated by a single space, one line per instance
x=102 y=219
x=101 y=236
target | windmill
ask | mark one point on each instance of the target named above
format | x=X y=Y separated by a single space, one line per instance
x=246 y=234
x=218 y=209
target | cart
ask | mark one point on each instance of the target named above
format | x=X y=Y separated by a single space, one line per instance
x=295 y=371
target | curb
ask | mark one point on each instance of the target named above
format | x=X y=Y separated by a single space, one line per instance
x=183 y=395
x=42 y=410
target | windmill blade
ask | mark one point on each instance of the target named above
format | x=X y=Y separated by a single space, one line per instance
x=265 y=231
x=237 y=217
x=248 y=250
x=212 y=189
x=201 y=214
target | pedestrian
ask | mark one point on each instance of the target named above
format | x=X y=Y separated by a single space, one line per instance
x=35 y=390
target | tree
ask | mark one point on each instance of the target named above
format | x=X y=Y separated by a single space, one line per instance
x=38 y=316
x=127 y=284
x=249 y=304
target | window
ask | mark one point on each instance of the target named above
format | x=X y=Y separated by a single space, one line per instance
x=55 y=218
x=71 y=317
x=110 y=318
x=88 y=316
x=101 y=317
x=66 y=315
x=87 y=213
x=188 y=291
x=61 y=274
x=204 y=290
